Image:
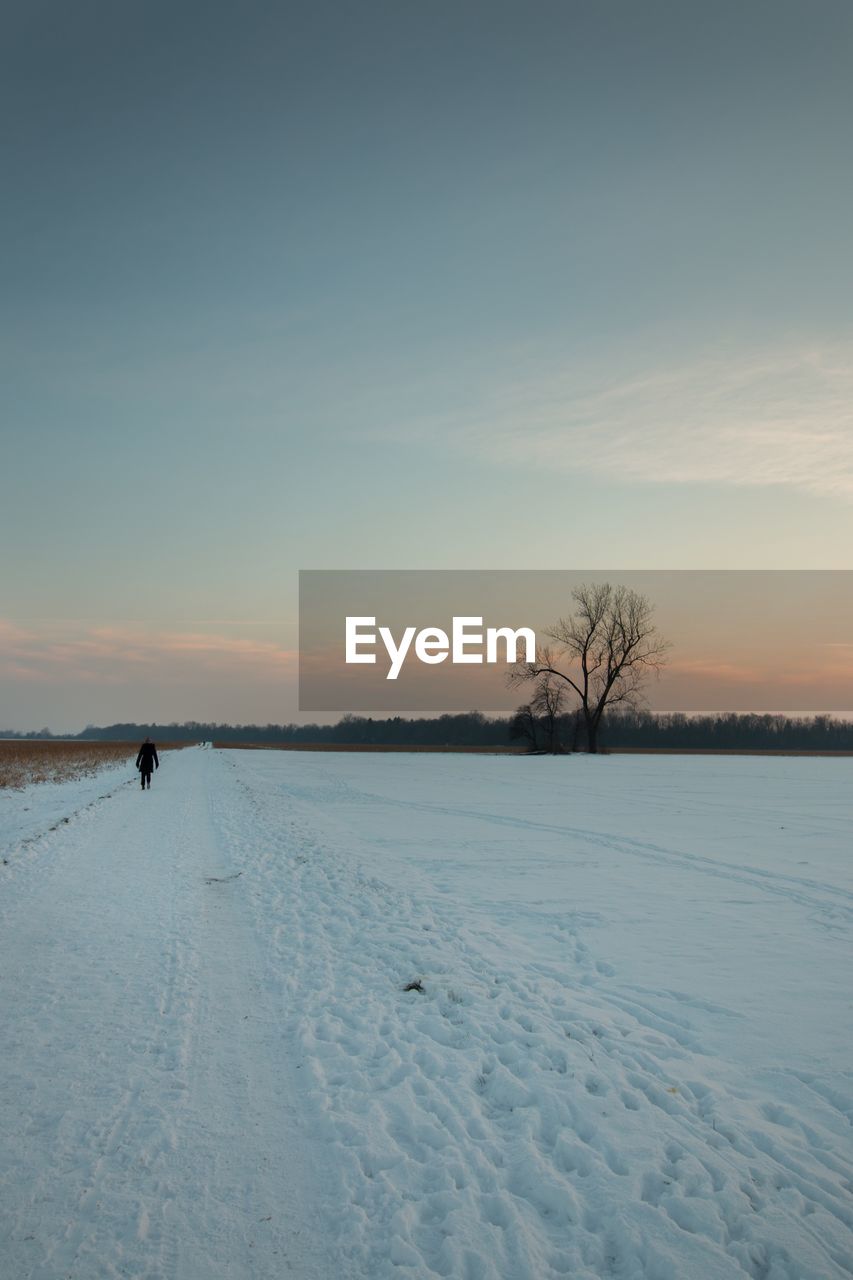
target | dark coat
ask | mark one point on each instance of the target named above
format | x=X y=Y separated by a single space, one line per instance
x=147 y=755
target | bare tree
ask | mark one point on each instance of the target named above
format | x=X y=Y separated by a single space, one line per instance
x=523 y=725
x=604 y=651
x=547 y=703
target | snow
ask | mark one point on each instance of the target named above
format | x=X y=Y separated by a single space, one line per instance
x=630 y=1056
x=28 y=812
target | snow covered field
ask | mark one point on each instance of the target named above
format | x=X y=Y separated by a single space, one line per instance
x=630 y=1056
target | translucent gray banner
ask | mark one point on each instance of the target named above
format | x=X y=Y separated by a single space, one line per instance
x=431 y=641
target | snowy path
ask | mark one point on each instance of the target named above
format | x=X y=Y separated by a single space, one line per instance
x=629 y=1058
x=146 y=1108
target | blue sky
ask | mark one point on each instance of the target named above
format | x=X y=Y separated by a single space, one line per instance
x=458 y=285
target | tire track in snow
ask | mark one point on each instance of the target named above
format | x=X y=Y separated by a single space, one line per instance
x=100 y=1005
x=837 y=902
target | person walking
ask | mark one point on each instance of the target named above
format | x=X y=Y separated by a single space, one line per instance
x=146 y=758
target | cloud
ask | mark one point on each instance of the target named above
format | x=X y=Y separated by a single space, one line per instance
x=63 y=653
x=711 y=670
x=778 y=419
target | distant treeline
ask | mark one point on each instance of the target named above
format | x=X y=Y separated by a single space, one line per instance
x=638 y=729
x=728 y=732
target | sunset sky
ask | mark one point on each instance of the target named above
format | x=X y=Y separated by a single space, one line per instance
x=469 y=285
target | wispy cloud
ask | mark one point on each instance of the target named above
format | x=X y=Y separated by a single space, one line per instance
x=783 y=419
x=713 y=670
x=63 y=654
x=780 y=670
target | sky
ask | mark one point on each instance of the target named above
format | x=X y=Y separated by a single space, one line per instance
x=468 y=285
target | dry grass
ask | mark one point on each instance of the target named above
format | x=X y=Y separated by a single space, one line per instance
x=45 y=760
